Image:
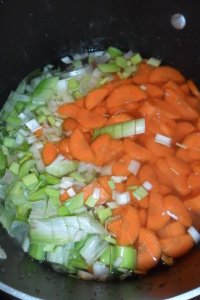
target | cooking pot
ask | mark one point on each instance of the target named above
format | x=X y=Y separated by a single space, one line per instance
x=34 y=33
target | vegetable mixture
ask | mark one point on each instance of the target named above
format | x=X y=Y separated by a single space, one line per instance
x=100 y=164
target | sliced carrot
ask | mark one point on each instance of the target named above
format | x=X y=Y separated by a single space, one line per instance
x=69 y=111
x=49 y=153
x=196 y=167
x=182 y=130
x=104 y=182
x=126 y=228
x=142 y=73
x=178 y=181
x=148 y=250
x=173 y=228
x=192 y=143
x=89 y=189
x=147 y=109
x=143 y=217
x=80 y=102
x=193 y=102
x=158 y=149
x=69 y=124
x=181 y=106
x=178 y=166
x=157 y=218
x=101 y=148
x=193 y=88
x=63 y=147
x=177 y=245
x=152 y=90
x=79 y=147
x=94 y=97
x=100 y=110
x=137 y=152
x=176 y=207
x=193 y=181
x=120 y=167
x=118 y=118
x=147 y=173
x=129 y=108
x=125 y=94
x=164 y=108
x=165 y=73
x=120 y=187
x=175 y=87
x=193 y=203
x=88 y=119
x=185 y=89
x=195 y=219
x=64 y=196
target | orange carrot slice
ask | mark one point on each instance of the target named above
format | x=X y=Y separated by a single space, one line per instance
x=152 y=90
x=171 y=229
x=89 y=120
x=143 y=217
x=79 y=147
x=176 y=207
x=49 y=153
x=126 y=228
x=165 y=73
x=157 y=218
x=120 y=167
x=89 y=189
x=193 y=88
x=64 y=147
x=69 y=124
x=137 y=152
x=193 y=203
x=125 y=94
x=94 y=97
x=101 y=148
x=142 y=74
x=177 y=245
x=69 y=111
x=148 y=250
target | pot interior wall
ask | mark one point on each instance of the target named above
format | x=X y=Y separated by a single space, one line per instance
x=34 y=33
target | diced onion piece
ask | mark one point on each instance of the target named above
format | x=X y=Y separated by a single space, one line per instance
x=140 y=193
x=62 y=85
x=121 y=198
x=128 y=54
x=106 y=170
x=3 y=254
x=163 y=139
x=33 y=125
x=66 y=60
x=194 y=234
x=66 y=182
x=71 y=192
x=22 y=116
x=134 y=166
x=86 y=275
x=31 y=139
x=154 y=62
x=147 y=185
x=96 y=193
x=118 y=179
x=112 y=205
x=100 y=270
x=173 y=216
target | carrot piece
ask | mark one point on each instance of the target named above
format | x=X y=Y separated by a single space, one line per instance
x=181 y=106
x=156 y=218
x=178 y=181
x=90 y=120
x=63 y=147
x=164 y=108
x=79 y=147
x=64 y=196
x=125 y=94
x=129 y=108
x=101 y=148
x=49 y=153
x=123 y=117
x=148 y=250
x=89 y=189
x=173 y=228
x=94 y=97
x=100 y=110
x=192 y=142
x=103 y=181
x=120 y=167
x=192 y=101
x=38 y=133
x=126 y=228
x=193 y=203
x=69 y=124
x=132 y=180
x=185 y=89
x=147 y=109
x=136 y=151
x=115 y=83
x=177 y=245
x=165 y=73
x=193 y=181
x=175 y=206
x=152 y=90
x=175 y=87
x=142 y=73
x=158 y=149
x=195 y=167
x=147 y=173
x=143 y=217
x=182 y=130
x=195 y=219
x=80 y=102
x=193 y=88
x=120 y=187
x=179 y=166
x=69 y=111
